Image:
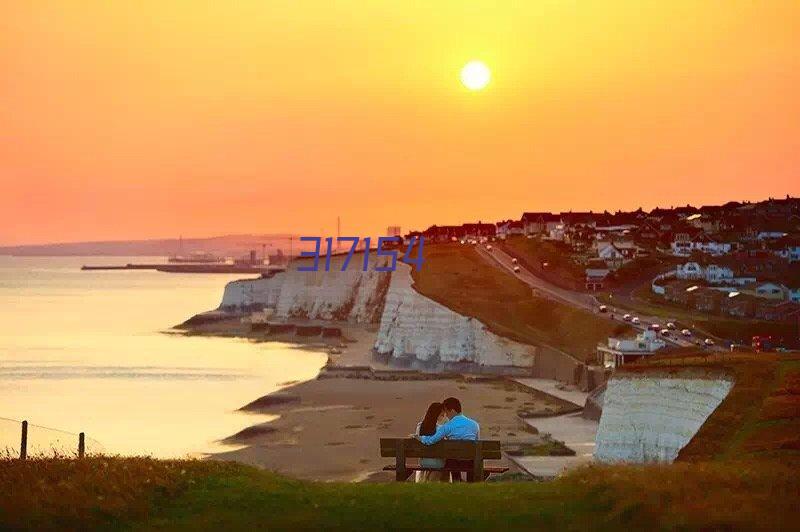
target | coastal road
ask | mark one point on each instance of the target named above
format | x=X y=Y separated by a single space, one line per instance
x=576 y=299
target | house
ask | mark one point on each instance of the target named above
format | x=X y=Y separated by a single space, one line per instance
x=441 y=233
x=787 y=248
x=618 y=352
x=539 y=222
x=772 y=290
x=510 y=227
x=738 y=305
x=478 y=230
x=711 y=273
x=615 y=254
x=770 y=235
x=777 y=311
x=684 y=245
x=596 y=278
x=794 y=294
x=708 y=300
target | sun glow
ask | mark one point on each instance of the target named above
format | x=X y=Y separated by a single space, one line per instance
x=475 y=75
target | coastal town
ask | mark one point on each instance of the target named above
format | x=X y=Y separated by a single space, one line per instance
x=738 y=260
x=386 y=265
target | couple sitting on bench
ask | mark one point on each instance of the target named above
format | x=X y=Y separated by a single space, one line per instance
x=445 y=421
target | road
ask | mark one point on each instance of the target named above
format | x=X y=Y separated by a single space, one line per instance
x=576 y=299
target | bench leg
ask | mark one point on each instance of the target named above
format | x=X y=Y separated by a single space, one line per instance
x=400 y=473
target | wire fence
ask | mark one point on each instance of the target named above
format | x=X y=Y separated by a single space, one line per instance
x=42 y=441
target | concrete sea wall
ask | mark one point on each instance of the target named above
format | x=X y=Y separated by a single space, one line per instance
x=650 y=418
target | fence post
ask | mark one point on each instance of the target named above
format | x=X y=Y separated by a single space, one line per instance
x=81 y=445
x=23 y=444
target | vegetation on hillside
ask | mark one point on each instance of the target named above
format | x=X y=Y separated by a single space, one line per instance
x=759 y=418
x=456 y=276
x=143 y=494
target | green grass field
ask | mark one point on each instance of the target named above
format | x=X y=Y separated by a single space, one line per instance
x=738 y=472
x=456 y=276
x=139 y=494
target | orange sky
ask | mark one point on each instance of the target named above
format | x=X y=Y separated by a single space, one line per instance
x=159 y=118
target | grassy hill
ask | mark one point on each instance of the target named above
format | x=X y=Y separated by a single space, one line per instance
x=143 y=494
x=456 y=276
x=739 y=472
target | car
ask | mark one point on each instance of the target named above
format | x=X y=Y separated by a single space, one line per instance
x=664 y=332
x=686 y=332
x=488 y=248
x=654 y=327
x=626 y=317
x=636 y=320
x=671 y=325
x=603 y=308
x=516 y=269
x=708 y=341
x=514 y=260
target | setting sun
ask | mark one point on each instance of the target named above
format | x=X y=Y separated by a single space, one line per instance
x=475 y=75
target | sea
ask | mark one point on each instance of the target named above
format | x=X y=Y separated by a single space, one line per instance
x=93 y=352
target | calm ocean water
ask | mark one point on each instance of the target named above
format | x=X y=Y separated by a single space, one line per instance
x=86 y=351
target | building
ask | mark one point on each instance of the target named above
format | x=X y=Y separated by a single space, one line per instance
x=618 y=352
x=596 y=278
x=510 y=227
x=539 y=222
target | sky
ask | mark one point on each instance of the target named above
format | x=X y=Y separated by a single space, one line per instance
x=159 y=118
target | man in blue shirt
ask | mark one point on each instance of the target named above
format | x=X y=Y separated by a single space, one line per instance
x=458 y=427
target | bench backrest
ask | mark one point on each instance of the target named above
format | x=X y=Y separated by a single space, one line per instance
x=458 y=450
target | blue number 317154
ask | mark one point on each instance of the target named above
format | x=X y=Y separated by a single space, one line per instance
x=382 y=250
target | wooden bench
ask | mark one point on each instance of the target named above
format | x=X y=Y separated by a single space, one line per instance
x=402 y=448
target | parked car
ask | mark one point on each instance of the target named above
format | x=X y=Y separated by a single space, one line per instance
x=488 y=247
x=654 y=327
x=626 y=317
x=636 y=320
x=665 y=332
x=516 y=269
x=686 y=332
x=603 y=308
x=671 y=325
x=514 y=260
x=708 y=341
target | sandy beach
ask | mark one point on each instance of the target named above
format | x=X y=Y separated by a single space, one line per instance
x=329 y=428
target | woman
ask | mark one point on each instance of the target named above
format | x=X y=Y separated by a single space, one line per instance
x=433 y=418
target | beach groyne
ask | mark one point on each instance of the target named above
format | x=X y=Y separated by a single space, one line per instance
x=651 y=416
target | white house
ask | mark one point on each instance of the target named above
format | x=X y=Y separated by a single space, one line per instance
x=771 y=290
x=511 y=227
x=703 y=244
x=794 y=294
x=620 y=351
x=790 y=252
x=770 y=235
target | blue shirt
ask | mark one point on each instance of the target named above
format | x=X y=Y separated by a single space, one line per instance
x=460 y=427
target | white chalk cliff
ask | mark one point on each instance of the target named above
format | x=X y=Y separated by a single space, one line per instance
x=352 y=295
x=413 y=325
x=651 y=418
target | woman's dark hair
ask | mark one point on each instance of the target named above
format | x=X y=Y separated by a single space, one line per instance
x=428 y=426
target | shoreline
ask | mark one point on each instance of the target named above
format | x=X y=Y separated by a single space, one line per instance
x=328 y=428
